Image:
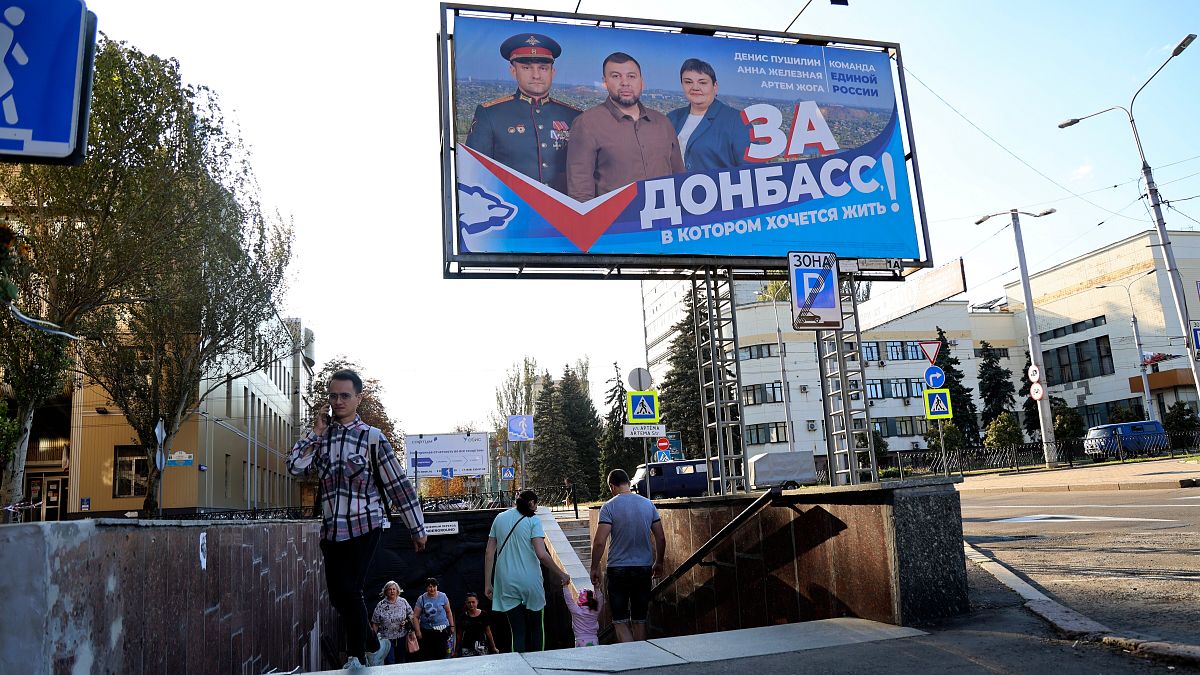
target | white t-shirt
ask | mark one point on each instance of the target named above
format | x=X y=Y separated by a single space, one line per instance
x=685 y=134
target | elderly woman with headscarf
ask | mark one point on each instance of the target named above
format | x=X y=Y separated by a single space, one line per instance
x=392 y=619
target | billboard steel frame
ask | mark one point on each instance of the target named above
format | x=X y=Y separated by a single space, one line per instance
x=605 y=266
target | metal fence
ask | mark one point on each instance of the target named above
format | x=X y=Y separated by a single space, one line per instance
x=556 y=498
x=1071 y=452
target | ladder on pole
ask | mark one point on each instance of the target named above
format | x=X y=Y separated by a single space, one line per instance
x=848 y=437
x=720 y=375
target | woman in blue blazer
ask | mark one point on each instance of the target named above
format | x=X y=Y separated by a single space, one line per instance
x=711 y=134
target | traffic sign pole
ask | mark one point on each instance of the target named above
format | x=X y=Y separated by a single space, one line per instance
x=945 y=455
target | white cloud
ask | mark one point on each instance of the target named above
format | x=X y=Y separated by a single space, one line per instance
x=1082 y=171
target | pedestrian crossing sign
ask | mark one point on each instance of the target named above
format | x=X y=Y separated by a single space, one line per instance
x=641 y=407
x=937 y=404
x=508 y=473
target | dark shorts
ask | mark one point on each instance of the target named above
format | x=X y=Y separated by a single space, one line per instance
x=628 y=593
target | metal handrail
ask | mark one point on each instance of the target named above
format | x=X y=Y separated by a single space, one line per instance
x=724 y=533
x=695 y=558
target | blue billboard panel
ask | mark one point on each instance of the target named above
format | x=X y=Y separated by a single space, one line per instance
x=587 y=140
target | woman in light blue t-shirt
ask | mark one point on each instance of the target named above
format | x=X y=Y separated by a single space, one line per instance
x=435 y=621
x=512 y=575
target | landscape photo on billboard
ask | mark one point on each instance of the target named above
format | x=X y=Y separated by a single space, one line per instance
x=824 y=167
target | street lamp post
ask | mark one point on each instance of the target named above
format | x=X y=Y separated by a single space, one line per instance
x=1137 y=341
x=1181 y=313
x=1045 y=419
x=787 y=393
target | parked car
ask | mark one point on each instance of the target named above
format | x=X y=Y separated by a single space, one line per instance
x=1127 y=438
x=678 y=478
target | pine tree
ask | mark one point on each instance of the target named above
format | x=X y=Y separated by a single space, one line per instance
x=583 y=426
x=995 y=385
x=681 y=400
x=551 y=456
x=616 y=451
x=961 y=401
x=1029 y=407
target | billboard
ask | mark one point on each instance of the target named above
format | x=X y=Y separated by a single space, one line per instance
x=429 y=454
x=599 y=139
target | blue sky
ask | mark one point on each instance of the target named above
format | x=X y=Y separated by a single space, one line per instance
x=339 y=103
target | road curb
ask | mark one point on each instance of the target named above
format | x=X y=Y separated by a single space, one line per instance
x=1073 y=625
x=1086 y=487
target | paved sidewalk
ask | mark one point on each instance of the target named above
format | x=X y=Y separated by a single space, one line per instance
x=1163 y=474
x=998 y=635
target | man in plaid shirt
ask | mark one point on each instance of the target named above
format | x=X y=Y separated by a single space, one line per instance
x=351 y=473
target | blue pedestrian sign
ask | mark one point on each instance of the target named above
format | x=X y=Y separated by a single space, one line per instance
x=642 y=407
x=46 y=52
x=508 y=473
x=816 y=301
x=422 y=462
x=937 y=404
x=447 y=473
x=935 y=377
x=662 y=455
x=520 y=427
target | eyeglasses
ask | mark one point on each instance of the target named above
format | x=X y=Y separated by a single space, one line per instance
x=335 y=395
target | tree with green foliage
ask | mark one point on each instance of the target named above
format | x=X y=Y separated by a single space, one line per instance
x=616 y=451
x=583 y=425
x=955 y=439
x=680 y=395
x=1123 y=414
x=371 y=409
x=961 y=401
x=1181 y=423
x=1003 y=431
x=1068 y=423
x=162 y=166
x=552 y=456
x=995 y=384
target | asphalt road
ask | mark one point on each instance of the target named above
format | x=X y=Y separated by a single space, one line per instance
x=1128 y=559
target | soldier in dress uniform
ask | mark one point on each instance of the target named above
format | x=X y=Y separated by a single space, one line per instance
x=527 y=131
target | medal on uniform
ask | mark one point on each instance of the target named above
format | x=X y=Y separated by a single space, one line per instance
x=520 y=128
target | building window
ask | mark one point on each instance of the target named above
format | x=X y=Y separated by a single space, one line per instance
x=760 y=434
x=769 y=392
x=1076 y=327
x=904 y=426
x=913 y=351
x=131 y=471
x=916 y=387
x=920 y=426
x=1078 y=361
x=1104 y=349
x=874 y=389
x=756 y=352
x=895 y=350
x=1002 y=352
x=897 y=388
x=870 y=351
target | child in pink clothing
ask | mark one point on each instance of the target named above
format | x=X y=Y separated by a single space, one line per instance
x=585 y=615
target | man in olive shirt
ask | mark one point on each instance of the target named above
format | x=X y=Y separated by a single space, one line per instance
x=620 y=141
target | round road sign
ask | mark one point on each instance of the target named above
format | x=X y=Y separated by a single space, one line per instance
x=664 y=444
x=639 y=379
x=1036 y=391
x=1035 y=373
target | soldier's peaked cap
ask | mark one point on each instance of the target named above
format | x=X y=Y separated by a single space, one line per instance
x=532 y=47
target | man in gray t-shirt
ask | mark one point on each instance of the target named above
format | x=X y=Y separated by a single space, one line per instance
x=630 y=520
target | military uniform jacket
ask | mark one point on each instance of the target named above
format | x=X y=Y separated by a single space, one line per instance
x=527 y=135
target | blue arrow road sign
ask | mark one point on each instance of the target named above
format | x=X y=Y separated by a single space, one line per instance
x=447 y=473
x=422 y=462
x=508 y=473
x=45 y=77
x=934 y=377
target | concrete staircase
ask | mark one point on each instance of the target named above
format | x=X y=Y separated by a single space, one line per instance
x=579 y=536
